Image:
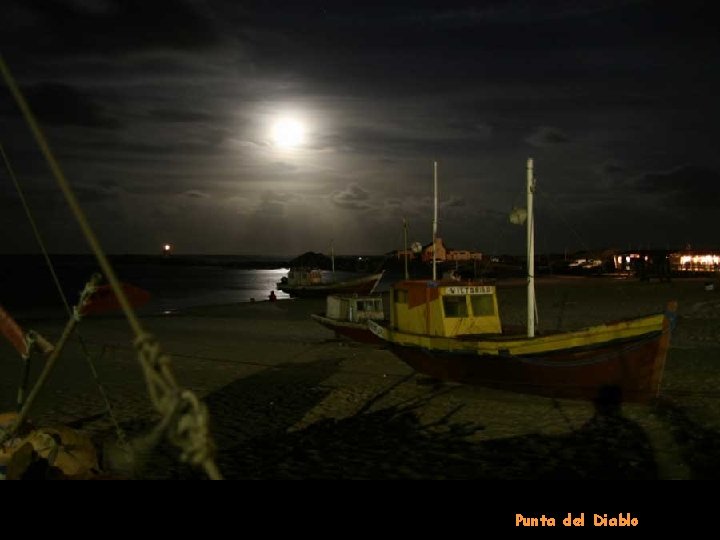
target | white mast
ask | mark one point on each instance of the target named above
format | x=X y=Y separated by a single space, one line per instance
x=405 y=247
x=530 y=250
x=434 y=234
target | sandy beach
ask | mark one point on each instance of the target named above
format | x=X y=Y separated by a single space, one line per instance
x=288 y=400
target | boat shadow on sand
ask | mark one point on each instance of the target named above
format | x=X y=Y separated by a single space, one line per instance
x=252 y=418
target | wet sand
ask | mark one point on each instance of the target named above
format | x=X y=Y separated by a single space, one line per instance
x=290 y=401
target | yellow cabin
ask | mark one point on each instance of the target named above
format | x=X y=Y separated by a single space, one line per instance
x=444 y=308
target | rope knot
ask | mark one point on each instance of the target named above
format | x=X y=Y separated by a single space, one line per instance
x=191 y=431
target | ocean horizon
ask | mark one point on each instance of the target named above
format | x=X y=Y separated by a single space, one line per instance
x=175 y=282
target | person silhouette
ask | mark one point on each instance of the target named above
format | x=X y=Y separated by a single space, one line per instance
x=272 y=296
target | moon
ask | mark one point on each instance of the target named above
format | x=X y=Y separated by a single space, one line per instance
x=288 y=133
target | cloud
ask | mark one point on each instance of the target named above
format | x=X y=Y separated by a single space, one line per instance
x=547 y=136
x=117 y=26
x=195 y=194
x=353 y=198
x=687 y=186
x=453 y=202
x=64 y=105
x=180 y=116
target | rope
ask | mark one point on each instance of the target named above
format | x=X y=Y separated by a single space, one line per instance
x=35 y=229
x=155 y=365
x=49 y=364
x=63 y=297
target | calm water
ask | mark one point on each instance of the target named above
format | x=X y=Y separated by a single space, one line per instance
x=27 y=289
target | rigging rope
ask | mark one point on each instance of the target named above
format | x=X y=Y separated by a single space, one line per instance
x=63 y=297
x=191 y=429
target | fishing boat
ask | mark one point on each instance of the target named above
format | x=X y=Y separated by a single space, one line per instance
x=452 y=330
x=303 y=282
x=348 y=315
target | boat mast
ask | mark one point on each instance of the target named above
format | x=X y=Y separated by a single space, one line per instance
x=332 y=255
x=405 y=248
x=530 y=250
x=434 y=234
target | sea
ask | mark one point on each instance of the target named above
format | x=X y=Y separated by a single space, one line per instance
x=175 y=282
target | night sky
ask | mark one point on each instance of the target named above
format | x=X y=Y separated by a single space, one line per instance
x=164 y=114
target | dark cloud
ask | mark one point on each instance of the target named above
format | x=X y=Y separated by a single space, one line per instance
x=688 y=186
x=58 y=104
x=547 y=136
x=353 y=198
x=453 y=202
x=113 y=26
x=180 y=116
x=195 y=194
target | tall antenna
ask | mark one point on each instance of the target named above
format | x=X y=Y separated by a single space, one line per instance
x=435 y=215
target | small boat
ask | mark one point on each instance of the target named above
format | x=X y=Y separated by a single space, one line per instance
x=309 y=283
x=452 y=330
x=347 y=316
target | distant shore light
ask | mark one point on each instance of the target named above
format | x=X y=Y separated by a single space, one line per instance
x=167 y=248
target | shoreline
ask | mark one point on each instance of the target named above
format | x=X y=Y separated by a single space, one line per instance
x=287 y=399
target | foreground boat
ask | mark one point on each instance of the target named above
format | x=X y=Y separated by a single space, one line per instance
x=310 y=283
x=450 y=330
x=347 y=315
x=453 y=331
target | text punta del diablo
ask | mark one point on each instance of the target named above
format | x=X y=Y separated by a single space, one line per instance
x=598 y=520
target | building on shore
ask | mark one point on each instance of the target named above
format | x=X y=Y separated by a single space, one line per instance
x=443 y=253
x=693 y=262
x=678 y=262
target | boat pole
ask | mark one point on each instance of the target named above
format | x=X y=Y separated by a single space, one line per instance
x=435 y=214
x=405 y=248
x=530 y=250
x=332 y=255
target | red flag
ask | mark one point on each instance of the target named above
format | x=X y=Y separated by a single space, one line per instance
x=104 y=300
x=14 y=334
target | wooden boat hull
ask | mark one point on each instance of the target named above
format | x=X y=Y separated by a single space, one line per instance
x=633 y=366
x=358 y=332
x=626 y=356
x=363 y=285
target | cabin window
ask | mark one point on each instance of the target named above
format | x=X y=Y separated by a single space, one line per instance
x=455 y=306
x=361 y=305
x=401 y=296
x=482 y=305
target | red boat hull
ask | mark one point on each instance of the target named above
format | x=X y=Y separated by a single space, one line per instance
x=354 y=331
x=634 y=367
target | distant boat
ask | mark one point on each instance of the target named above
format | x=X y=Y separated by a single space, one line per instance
x=312 y=283
x=347 y=315
x=452 y=330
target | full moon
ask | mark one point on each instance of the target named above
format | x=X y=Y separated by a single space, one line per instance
x=287 y=133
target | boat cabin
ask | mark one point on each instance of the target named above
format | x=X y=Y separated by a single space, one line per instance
x=354 y=308
x=444 y=308
x=304 y=276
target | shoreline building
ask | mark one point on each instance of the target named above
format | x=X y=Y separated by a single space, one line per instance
x=443 y=253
